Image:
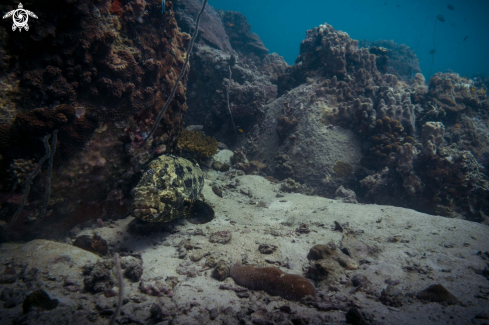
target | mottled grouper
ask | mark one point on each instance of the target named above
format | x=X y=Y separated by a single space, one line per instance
x=165 y=187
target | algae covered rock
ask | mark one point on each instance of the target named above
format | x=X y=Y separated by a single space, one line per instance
x=165 y=187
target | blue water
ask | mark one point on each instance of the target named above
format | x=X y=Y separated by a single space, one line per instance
x=282 y=26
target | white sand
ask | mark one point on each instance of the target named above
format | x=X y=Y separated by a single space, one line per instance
x=435 y=249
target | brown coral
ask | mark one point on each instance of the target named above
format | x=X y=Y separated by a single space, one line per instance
x=451 y=92
x=111 y=66
x=198 y=144
x=328 y=52
x=24 y=134
x=286 y=125
x=393 y=58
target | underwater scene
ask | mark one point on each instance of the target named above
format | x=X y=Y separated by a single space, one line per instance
x=180 y=162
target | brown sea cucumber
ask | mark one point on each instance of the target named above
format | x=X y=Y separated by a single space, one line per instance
x=273 y=281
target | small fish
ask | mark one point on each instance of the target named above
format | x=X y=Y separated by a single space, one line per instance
x=433 y=51
x=465 y=38
x=440 y=18
x=398 y=6
x=240 y=130
x=163 y=4
x=451 y=7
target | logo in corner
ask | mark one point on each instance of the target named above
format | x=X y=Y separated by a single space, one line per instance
x=20 y=17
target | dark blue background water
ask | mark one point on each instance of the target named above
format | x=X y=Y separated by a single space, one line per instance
x=282 y=25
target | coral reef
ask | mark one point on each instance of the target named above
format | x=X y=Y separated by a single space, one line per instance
x=240 y=36
x=197 y=144
x=246 y=102
x=432 y=135
x=345 y=195
x=22 y=138
x=98 y=277
x=450 y=92
x=9 y=93
x=342 y=169
x=404 y=162
x=400 y=125
x=212 y=31
x=455 y=181
x=329 y=53
x=89 y=69
x=251 y=88
x=285 y=125
x=225 y=43
x=397 y=106
x=401 y=60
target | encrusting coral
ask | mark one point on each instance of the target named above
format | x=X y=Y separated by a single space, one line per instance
x=402 y=123
x=227 y=43
x=432 y=136
x=451 y=92
x=197 y=144
x=400 y=59
x=97 y=71
x=397 y=106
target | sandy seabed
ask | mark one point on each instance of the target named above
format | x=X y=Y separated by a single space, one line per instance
x=398 y=248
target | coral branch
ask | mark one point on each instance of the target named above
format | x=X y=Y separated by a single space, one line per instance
x=184 y=68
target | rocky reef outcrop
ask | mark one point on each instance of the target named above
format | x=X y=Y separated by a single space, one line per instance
x=211 y=33
x=330 y=53
x=343 y=121
x=228 y=60
x=392 y=58
x=240 y=35
x=98 y=72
